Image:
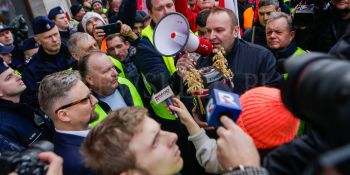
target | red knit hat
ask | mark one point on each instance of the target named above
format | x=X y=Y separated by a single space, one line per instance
x=266 y=119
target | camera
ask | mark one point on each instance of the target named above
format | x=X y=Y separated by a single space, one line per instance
x=317 y=90
x=26 y=162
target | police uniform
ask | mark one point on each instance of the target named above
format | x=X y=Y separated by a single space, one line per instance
x=18 y=126
x=64 y=34
x=43 y=64
x=16 y=52
x=29 y=44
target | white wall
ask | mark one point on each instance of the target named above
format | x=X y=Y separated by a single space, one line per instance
x=42 y=7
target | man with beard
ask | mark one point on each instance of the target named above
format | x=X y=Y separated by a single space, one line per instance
x=70 y=105
x=51 y=57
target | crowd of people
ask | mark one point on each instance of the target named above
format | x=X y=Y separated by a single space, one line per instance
x=91 y=93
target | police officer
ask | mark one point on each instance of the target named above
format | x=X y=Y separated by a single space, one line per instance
x=30 y=47
x=58 y=16
x=5 y=54
x=20 y=123
x=7 y=39
x=51 y=57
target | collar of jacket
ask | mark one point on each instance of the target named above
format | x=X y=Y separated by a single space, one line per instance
x=65 y=34
x=45 y=56
x=15 y=107
x=131 y=53
x=286 y=52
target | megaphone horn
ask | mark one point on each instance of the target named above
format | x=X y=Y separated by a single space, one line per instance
x=172 y=35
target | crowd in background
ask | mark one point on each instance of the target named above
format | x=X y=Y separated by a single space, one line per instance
x=90 y=91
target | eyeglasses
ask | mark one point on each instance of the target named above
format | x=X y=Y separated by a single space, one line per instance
x=88 y=97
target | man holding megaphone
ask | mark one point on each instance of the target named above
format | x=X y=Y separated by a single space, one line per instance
x=251 y=65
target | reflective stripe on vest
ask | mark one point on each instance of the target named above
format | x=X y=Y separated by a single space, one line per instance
x=101 y=115
x=169 y=61
x=299 y=51
x=119 y=65
x=134 y=95
x=17 y=72
x=160 y=109
x=136 y=98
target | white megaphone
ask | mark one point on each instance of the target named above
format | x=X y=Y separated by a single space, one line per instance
x=172 y=35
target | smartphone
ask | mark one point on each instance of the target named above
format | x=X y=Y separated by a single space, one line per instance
x=110 y=28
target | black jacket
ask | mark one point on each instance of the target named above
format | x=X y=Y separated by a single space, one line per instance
x=328 y=29
x=260 y=36
x=124 y=92
x=294 y=157
x=41 y=65
x=342 y=48
x=252 y=66
x=17 y=123
x=282 y=54
x=126 y=14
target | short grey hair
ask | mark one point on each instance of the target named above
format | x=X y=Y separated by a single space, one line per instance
x=277 y=15
x=83 y=64
x=54 y=88
x=268 y=2
x=74 y=39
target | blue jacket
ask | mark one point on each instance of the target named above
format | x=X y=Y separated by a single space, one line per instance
x=67 y=146
x=17 y=58
x=251 y=65
x=17 y=125
x=148 y=60
x=65 y=36
x=41 y=65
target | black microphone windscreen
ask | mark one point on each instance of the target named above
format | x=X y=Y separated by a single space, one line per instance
x=158 y=81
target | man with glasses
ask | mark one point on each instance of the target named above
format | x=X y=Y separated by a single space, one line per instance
x=70 y=105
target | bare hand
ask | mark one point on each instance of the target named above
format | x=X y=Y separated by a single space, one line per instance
x=184 y=63
x=54 y=161
x=99 y=34
x=185 y=116
x=200 y=122
x=235 y=147
x=126 y=30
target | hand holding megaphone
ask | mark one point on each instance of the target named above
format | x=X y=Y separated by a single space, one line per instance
x=184 y=63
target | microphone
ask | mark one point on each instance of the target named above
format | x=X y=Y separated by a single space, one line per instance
x=222 y=102
x=162 y=90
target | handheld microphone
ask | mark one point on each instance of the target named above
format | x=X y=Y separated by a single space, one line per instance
x=222 y=102
x=162 y=90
